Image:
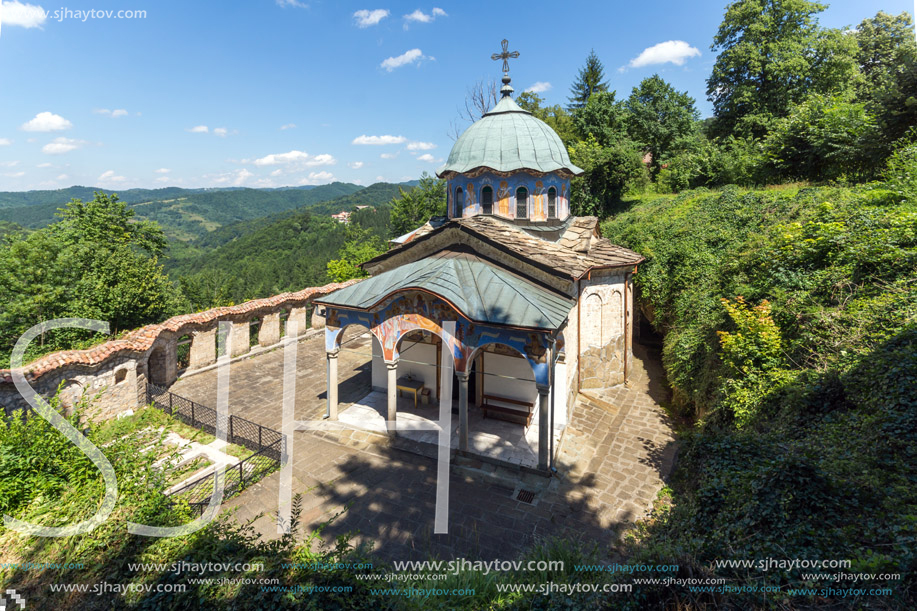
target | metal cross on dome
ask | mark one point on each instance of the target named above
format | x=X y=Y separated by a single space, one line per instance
x=505 y=56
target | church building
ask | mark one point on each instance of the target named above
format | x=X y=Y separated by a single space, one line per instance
x=542 y=305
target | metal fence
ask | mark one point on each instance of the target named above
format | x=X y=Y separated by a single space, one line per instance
x=238 y=430
x=267 y=444
x=236 y=478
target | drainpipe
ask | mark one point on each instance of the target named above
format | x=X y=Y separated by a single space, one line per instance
x=579 y=318
x=553 y=393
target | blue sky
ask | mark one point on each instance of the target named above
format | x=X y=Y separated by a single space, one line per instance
x=267 y=93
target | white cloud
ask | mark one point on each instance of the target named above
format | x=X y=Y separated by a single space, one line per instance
x=162 y=179
x=408 y=57
x=380 y=178
x=288 y=126
x=672 y=51
x=14 y=174
x=110 y=176
x=540 y=87
x=356 y=165
x=162 y=171
x=44 y=165
x=419 y=16
x=8 y=164
x=428 y=158
x=277 y=172
x=365 y=18
x=295 y=157
x=376 y=140
x=220 y=131
x=114 y=114
x=5 y=142
x=46 y=122
x=62 y=177
x=421 y=146
x=241 y=176
x=317 y=178
x=388 y=155
x=23 y=15
x=235 y=178
x=59 y=146
x=199 y=129
x=292 y=3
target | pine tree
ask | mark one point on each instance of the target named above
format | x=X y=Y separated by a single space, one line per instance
x=591 y=79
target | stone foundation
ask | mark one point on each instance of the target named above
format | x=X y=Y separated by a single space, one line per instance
x=603 y=367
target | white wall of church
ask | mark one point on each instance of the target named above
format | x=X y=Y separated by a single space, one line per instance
x=380 y=381
x=560 y=395
x=519 y=380
x=418 y=360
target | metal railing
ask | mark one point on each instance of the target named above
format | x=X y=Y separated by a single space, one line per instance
x=238 y=430
x=268 y=445
x=237 y=477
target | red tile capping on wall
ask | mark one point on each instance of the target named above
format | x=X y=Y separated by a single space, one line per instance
x=141 y=340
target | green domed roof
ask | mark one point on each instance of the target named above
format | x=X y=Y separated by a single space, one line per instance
x=506 y=139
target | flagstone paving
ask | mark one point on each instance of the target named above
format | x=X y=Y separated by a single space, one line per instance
x=611 y=462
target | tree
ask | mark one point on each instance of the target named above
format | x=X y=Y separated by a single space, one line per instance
x=887 y=59
x=824 y=138
x=602 y=118
x=555 y=116
x=609 y=172
x=479 y=99
x=772 y=54
x=95 y=262
x=591 y=79
x=361 y=246
x=659 y=116
x=415 y=207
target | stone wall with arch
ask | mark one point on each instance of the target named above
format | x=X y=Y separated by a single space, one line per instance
x=114 y=374
x=602 y=340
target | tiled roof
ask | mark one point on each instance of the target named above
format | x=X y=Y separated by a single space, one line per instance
x=577 y=251
x=481 y=290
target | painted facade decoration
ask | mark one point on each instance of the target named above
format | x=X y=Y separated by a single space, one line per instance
x=504 y=189
x=409 y=311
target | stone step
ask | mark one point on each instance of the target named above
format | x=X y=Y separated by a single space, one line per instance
x=593 y=400
x=473 y=469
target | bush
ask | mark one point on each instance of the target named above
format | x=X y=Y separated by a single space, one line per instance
x=824 y=138
x=610 y=172
x=809 y=444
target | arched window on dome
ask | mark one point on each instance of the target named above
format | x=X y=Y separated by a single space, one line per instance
x=522 y=203
x=552 y=203
x=459 y=203
x=487 y=200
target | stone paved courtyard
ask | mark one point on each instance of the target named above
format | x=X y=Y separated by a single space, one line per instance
x=611 y=463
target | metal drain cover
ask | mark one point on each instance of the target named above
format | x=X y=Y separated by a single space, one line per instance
x=526 y=496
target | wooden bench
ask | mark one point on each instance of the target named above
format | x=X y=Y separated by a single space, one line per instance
x=510 y=414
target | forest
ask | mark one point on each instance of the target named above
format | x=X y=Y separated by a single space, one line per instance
x=780 y=237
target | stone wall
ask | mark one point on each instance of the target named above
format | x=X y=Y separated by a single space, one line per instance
x=602 y=321
x=114 y=374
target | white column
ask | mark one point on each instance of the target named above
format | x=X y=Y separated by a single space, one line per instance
x=463 y=409
x=333 y=385
x=544 y=426
x=392 y=396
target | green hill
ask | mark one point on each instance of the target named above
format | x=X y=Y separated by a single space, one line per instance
x=183 y=213
x=791 y=337
x=282 y=252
